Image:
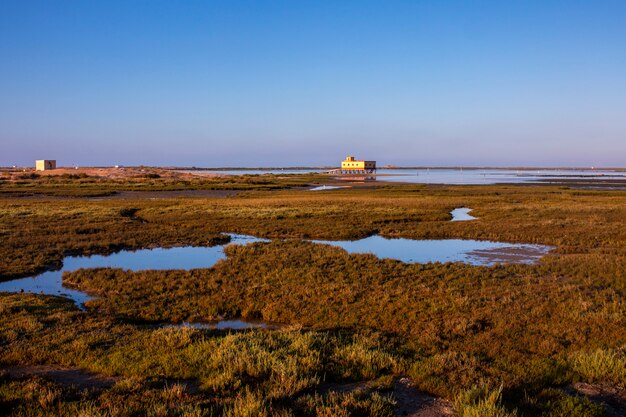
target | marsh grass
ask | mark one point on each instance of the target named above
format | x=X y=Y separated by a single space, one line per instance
x=529 y=328
x=83 y=185
x=480 y=401
x=38 y=232
x=461 y=324
x=245 y=373
x=555 y=402
x=344 y=405
x=601 y=365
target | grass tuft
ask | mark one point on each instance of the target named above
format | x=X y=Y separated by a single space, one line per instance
x=481 y=401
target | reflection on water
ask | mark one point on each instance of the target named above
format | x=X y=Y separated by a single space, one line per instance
x=473 y=252
x=462 y=214
x=490 y=176
x=171 y=258
x=362 y=178
x=328 y=187
x=226 y=324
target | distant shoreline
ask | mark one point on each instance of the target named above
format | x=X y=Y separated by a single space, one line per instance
x=323 y=168
x=468 y=168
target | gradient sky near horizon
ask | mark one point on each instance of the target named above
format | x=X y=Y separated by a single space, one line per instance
x=286 y=83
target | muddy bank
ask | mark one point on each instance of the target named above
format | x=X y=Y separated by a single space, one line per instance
x=409 y=401
x=66 y=376
x=133 y=195
x=611 y=398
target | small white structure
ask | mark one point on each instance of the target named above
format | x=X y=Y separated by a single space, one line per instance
x=45 y=164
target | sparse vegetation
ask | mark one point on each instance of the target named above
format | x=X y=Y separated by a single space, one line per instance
x=80 y=184
x=249 y=373
x=480 y=401
x=601 y=365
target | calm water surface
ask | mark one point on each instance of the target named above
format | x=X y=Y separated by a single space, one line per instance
x=489 y=176
x=462 y=214
x=473 y=252
x=328 y=187
x=172 y=258
x=227 y=324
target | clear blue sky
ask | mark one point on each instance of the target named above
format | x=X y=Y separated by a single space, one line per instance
x=271 y=83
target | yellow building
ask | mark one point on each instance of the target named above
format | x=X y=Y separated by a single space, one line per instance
x=45 y=164
x=350 y=164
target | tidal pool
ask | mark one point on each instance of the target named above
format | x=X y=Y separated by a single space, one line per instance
x=187 y=257
x=328 y=187
x=473 y=252
x=462 y=215
x=226 y=324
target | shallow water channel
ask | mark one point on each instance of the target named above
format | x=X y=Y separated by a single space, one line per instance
x=473 y=252
x=188 y=257
x=462 y=214
x=328 y=187
x=227 y=324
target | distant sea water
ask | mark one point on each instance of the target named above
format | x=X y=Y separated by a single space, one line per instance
x=491 y=176
x=453 y=176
